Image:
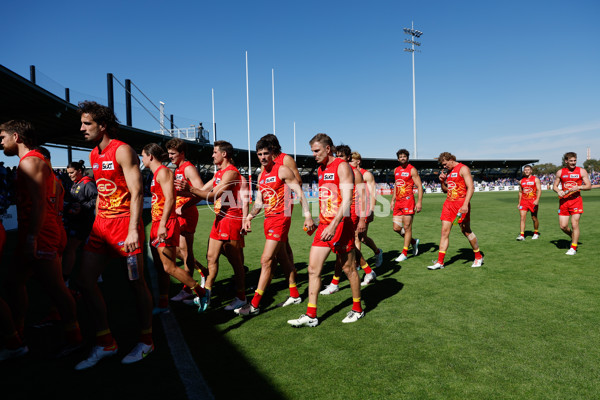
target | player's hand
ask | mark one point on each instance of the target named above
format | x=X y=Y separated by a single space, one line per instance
x=464 y=210
x=309 y=224
x=329 y=232
x=161 y=233
x=362 y=226
x=418 y=207
x=132 y=241
x=182 y=186
x=247 y=226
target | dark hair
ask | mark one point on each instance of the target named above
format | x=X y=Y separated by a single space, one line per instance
x=322 y=138
x=273 y=143
x=25 y=130
x=45 y=152
x=568 y=155
x=176 y=144
x=403 y=151
x=264 y=144
x=77 y=165
x=155 y=151
x=344 y=150
x=102 y=115
x=445 y=156
x=225 y=147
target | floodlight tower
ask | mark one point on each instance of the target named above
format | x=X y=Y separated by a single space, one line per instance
x=413 y=34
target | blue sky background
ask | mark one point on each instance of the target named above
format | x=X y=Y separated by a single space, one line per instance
x=495 y=80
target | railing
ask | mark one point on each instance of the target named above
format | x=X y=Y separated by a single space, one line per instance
x=190 y=133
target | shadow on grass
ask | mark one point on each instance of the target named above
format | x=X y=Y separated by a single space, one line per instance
x=371 y=295
x=465 y=255
x=562 y=243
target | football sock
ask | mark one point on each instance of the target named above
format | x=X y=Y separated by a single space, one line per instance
x=356 y=304
x=199 y=290
x=335 y=280
x=522 y=233
x=366 y=268
x=574 y=246
x=294 y=290
x=405 y=251
x=163 y=301
x=257 y=296
x=104 y=338
x=441 y=256
x=146 y=336
x=73 y=333
x=477 y=254
x=311 y=310
x=536 y=232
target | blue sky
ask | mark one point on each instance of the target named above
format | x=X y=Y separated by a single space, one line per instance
x=495 y=80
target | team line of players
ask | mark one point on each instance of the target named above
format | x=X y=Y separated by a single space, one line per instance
x=345 y=213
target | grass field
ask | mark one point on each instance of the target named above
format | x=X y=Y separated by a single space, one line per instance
x=524 y=326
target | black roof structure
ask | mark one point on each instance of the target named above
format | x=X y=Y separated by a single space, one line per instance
x=58 y=122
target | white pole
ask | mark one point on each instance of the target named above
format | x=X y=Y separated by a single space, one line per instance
x=248 y=116
x=162 y=117
x=214 y=129
x=294 y=140
x=273 y=89
x=414 y=98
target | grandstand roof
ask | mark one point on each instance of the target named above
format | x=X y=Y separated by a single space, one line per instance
x=59 y=123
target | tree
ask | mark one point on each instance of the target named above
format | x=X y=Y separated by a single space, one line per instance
x=544 y=169
x=591 y=165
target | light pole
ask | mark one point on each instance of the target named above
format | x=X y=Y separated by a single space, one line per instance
x=413 y=34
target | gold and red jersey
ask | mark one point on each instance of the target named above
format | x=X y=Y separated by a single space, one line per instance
x=367 y=193
x=23 y=197
x=229 y=204
x=272 y=189
x=570 y=179
x=279 y=158
x=528 y=188
x=114 y=198
x=457 y=188
x=330 y=195
x=353 y=205
x=404 y=184
x=158 y=198
x=180 y=201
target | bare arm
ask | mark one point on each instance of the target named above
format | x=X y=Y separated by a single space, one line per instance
x=538 y=186
x=417 y=180
x=287 y=176
x=372 y=190
x=258 y=205
x=289 y=162
x=191 y=173
x=165 y=179
x=346 y=185
x=556 y=183
x=129 y=162
x=34 y=173
x=587 y=184
x=359 y=186
x=465 y=172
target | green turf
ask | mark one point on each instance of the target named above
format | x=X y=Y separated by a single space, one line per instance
x=524 y=326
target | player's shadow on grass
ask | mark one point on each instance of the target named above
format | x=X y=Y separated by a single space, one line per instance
x=562 y=243
x=465 y=256
x=372 y=295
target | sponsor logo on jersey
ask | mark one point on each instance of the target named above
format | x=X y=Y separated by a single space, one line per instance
x=329 y=177
x=530 y=183
x=270 y=179
x=106 y=187
x=108 y=166
x=154 y=198
x=95 y=167
x=574 y=176
x=405 y=174
x=454 y=175
x=152 y=183
x=179 y=176
x=217 y=181
x=400 y=182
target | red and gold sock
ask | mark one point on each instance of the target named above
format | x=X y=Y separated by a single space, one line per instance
x=73 y=333
x=536 y=232
x=257 y=296
x=105 y=338
x=441 y=256
x=311 y=310
x=146 y=336
x=335 y=280
x=574 y=246
x=294 y=290
x=356 y=305
x=522 y=233
x=199 y=290
x=13 y=341
x=366 y=268
x=477 y=254
x=405 y=251
x=163 y=301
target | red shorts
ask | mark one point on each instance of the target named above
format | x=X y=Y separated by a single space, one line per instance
x=188 y=220
x=277 y=227
x=450 y=209
x=527 y=205
x=48 y=241
x=226 y=228
x=570 y=206
x=342 y=241
x=172 y=239
x=108 y=236
x=404 y=207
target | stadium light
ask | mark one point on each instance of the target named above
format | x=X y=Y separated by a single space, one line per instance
x=413 y=34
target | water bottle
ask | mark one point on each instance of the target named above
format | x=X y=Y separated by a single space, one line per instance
x=132 y=267
x=458 y=219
